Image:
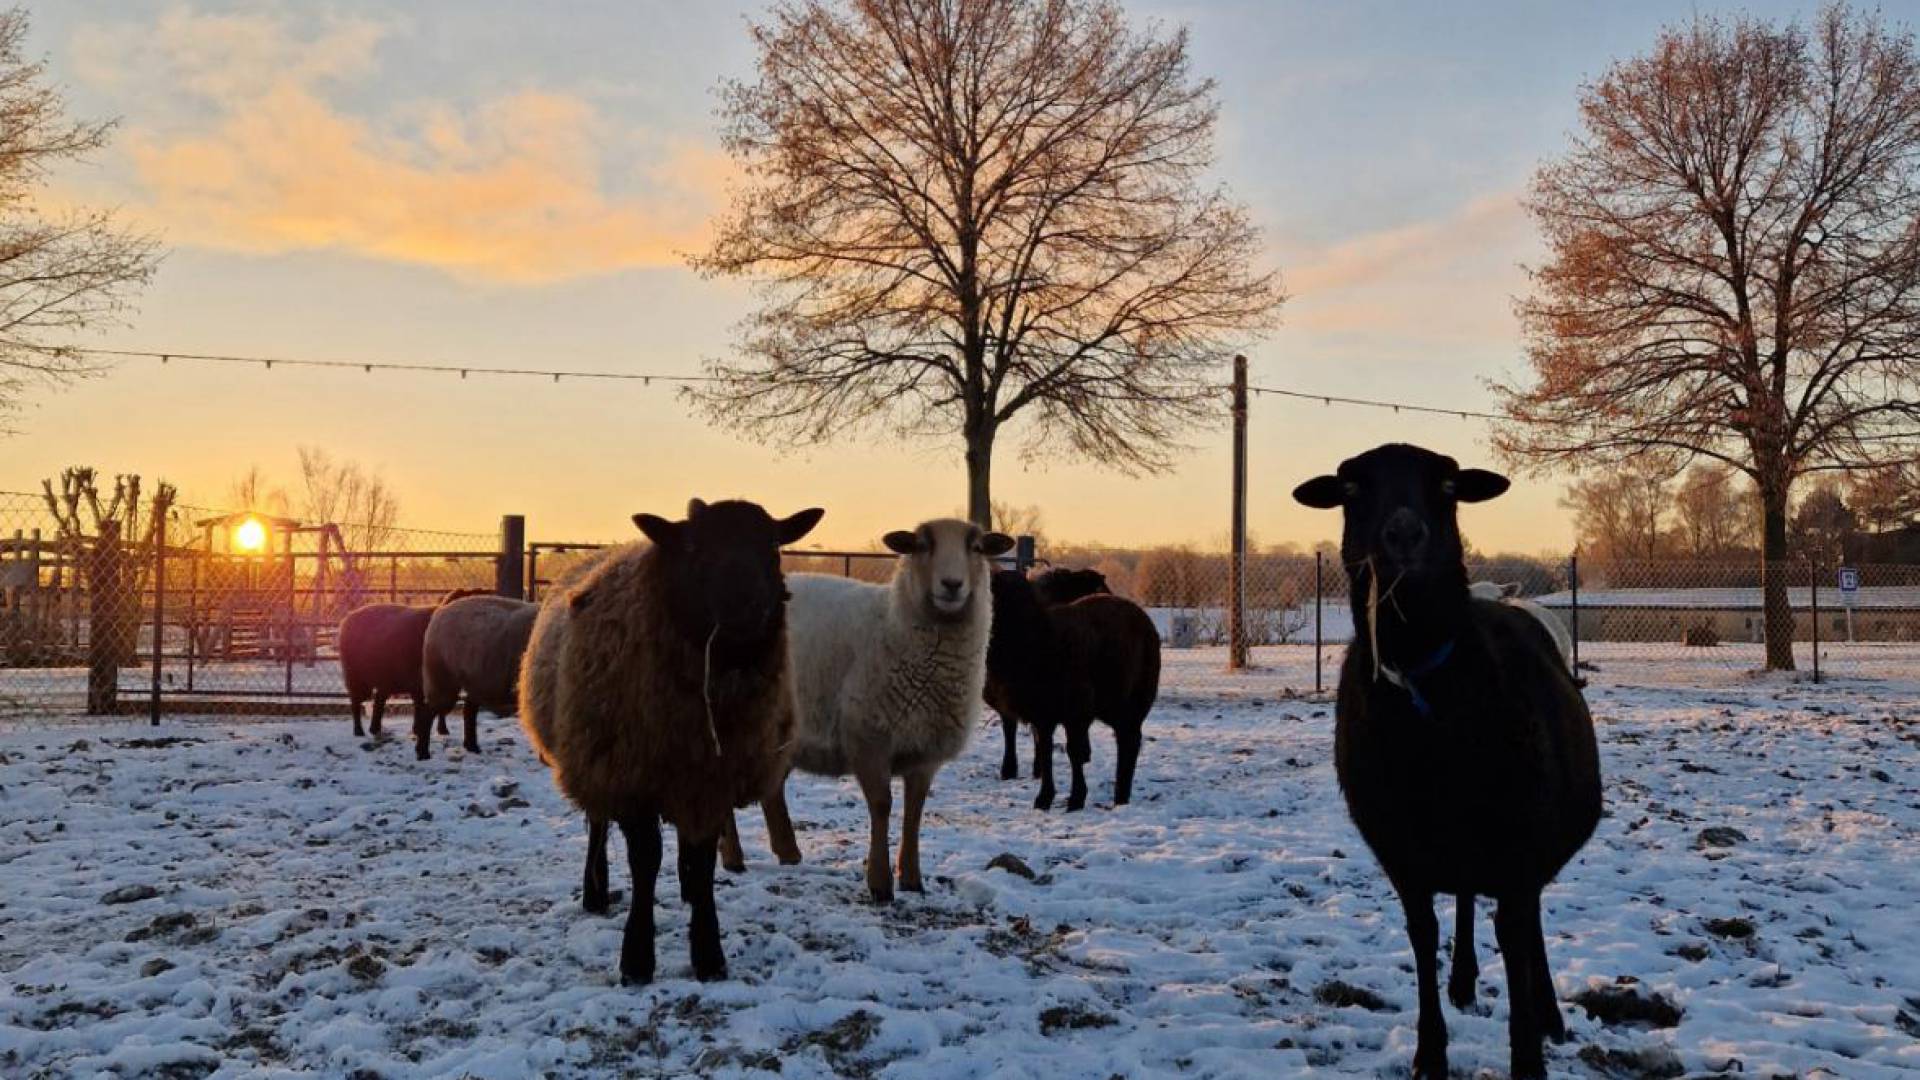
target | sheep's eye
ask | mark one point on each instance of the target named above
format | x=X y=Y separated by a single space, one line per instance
x=1353 y=488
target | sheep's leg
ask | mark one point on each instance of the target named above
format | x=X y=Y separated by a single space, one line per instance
x=780 y=825
x=643 y=861
x=878 y=788
x=1516 y=921
x=1464 y=979
x=696 y=888
x=422 y=730
x=472 y=717
x=1079 y=752
x=1126 y=740
x=1423 y=931
x=1009 y=760
x=732 y=857
x=1552 y=1024
x=359 y=710
x=593 y=887
x=443 y=721
x=917 y=785
x=1043 y=764
x=379 y=710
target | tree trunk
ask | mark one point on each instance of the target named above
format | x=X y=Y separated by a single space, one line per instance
x=980 y=477
x=1774 y=573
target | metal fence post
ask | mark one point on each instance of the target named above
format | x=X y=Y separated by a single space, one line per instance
x=159 y=603
x=510 y=573
x=1319 y=591
x=1813 y=578
x=1573 y=579
x=533 y=572
x=1024 y=553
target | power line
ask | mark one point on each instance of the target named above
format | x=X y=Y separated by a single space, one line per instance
x=648 y=378
x=1396 y=406
x=369 y=366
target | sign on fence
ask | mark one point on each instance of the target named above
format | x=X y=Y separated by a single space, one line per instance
x=1849 y=584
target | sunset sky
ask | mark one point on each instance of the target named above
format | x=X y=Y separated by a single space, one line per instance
x=496 y=183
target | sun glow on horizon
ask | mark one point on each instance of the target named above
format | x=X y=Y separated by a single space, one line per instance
x=250 y=536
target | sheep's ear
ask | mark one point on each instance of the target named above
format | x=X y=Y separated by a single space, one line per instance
x=659 y=530
x=1321 y=492
x=901 y=542
x=695 y=507
x=994 y=544
x=790 y=530
x=1478 y=485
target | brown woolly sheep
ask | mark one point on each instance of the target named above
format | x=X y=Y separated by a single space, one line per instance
x=472 y=645
x=1464 y=749
x=658 y=688
x=380 y=647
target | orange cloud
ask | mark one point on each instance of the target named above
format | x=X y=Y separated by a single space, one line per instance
x=1448 y=278
x=515 y=189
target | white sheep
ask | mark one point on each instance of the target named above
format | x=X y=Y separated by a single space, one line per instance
x=887 y=682
x=1506 y=594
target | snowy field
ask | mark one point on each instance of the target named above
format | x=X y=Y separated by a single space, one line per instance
x=240 y=898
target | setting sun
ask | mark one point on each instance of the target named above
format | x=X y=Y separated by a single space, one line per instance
x=250 y=536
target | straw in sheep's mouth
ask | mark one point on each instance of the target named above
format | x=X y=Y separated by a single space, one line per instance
x=1374 y=597
x=706 y=691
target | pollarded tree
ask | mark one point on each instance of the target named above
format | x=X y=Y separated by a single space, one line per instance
x=970 y=211
x=59 y=273
x=1733 y=266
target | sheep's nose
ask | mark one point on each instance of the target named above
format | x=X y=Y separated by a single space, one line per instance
x=1404 y=532
x=951 y=584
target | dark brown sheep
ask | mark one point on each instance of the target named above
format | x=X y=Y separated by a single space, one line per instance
x=380 y=650
x=658 y=688
x=1464 y=749
x=1065 y=666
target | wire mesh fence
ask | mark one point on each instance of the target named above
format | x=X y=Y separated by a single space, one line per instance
x=1656 y=621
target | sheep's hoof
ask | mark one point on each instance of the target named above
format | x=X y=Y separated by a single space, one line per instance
x=734 y=866
x=1076 y=804
x=359 y=734
x=788 y=858
x=422 y=753
x=912 y=885
x=712 y=971
x=1044 y=801
x=1008 y=771
x=472 y=747
x=1433 y=1069
x=881 y=894
x=636 y=978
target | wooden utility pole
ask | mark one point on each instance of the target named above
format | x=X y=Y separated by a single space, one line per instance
x=1237 y=563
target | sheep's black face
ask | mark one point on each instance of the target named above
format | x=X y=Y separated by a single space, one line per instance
x=724 y=565
x=1400 y=504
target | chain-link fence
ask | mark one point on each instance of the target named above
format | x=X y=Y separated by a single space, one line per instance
x=1665 y=622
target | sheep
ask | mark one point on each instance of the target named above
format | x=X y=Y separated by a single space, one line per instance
x=658 y=687
x=380 y=647
x=1061 y=585
x=475 y=645
x=1066 y=665
x=1057 y=585
x=1509 y=594
x=886 y=682
x=1464 y=750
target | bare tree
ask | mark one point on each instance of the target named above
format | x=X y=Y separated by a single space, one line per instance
x=1733 y=265
x=1028 y=520
x=62 y=273
x=252 y=490
x=349 y=495
x=1887 y=497
x=968 y=212
x=1713 y=513
x=1823 y=525
x=1620 y=514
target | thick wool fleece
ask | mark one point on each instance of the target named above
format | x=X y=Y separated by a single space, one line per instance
x=873 y=666
x=476 y=645
x=612 y=694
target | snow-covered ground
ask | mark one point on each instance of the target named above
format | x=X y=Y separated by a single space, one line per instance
x=277 y=898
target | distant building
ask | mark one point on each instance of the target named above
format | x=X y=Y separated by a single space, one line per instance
x=1878 y=613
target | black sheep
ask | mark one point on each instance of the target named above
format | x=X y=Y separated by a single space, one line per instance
x=1058 y=585
x=1066 y=666
x=1463 y=746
